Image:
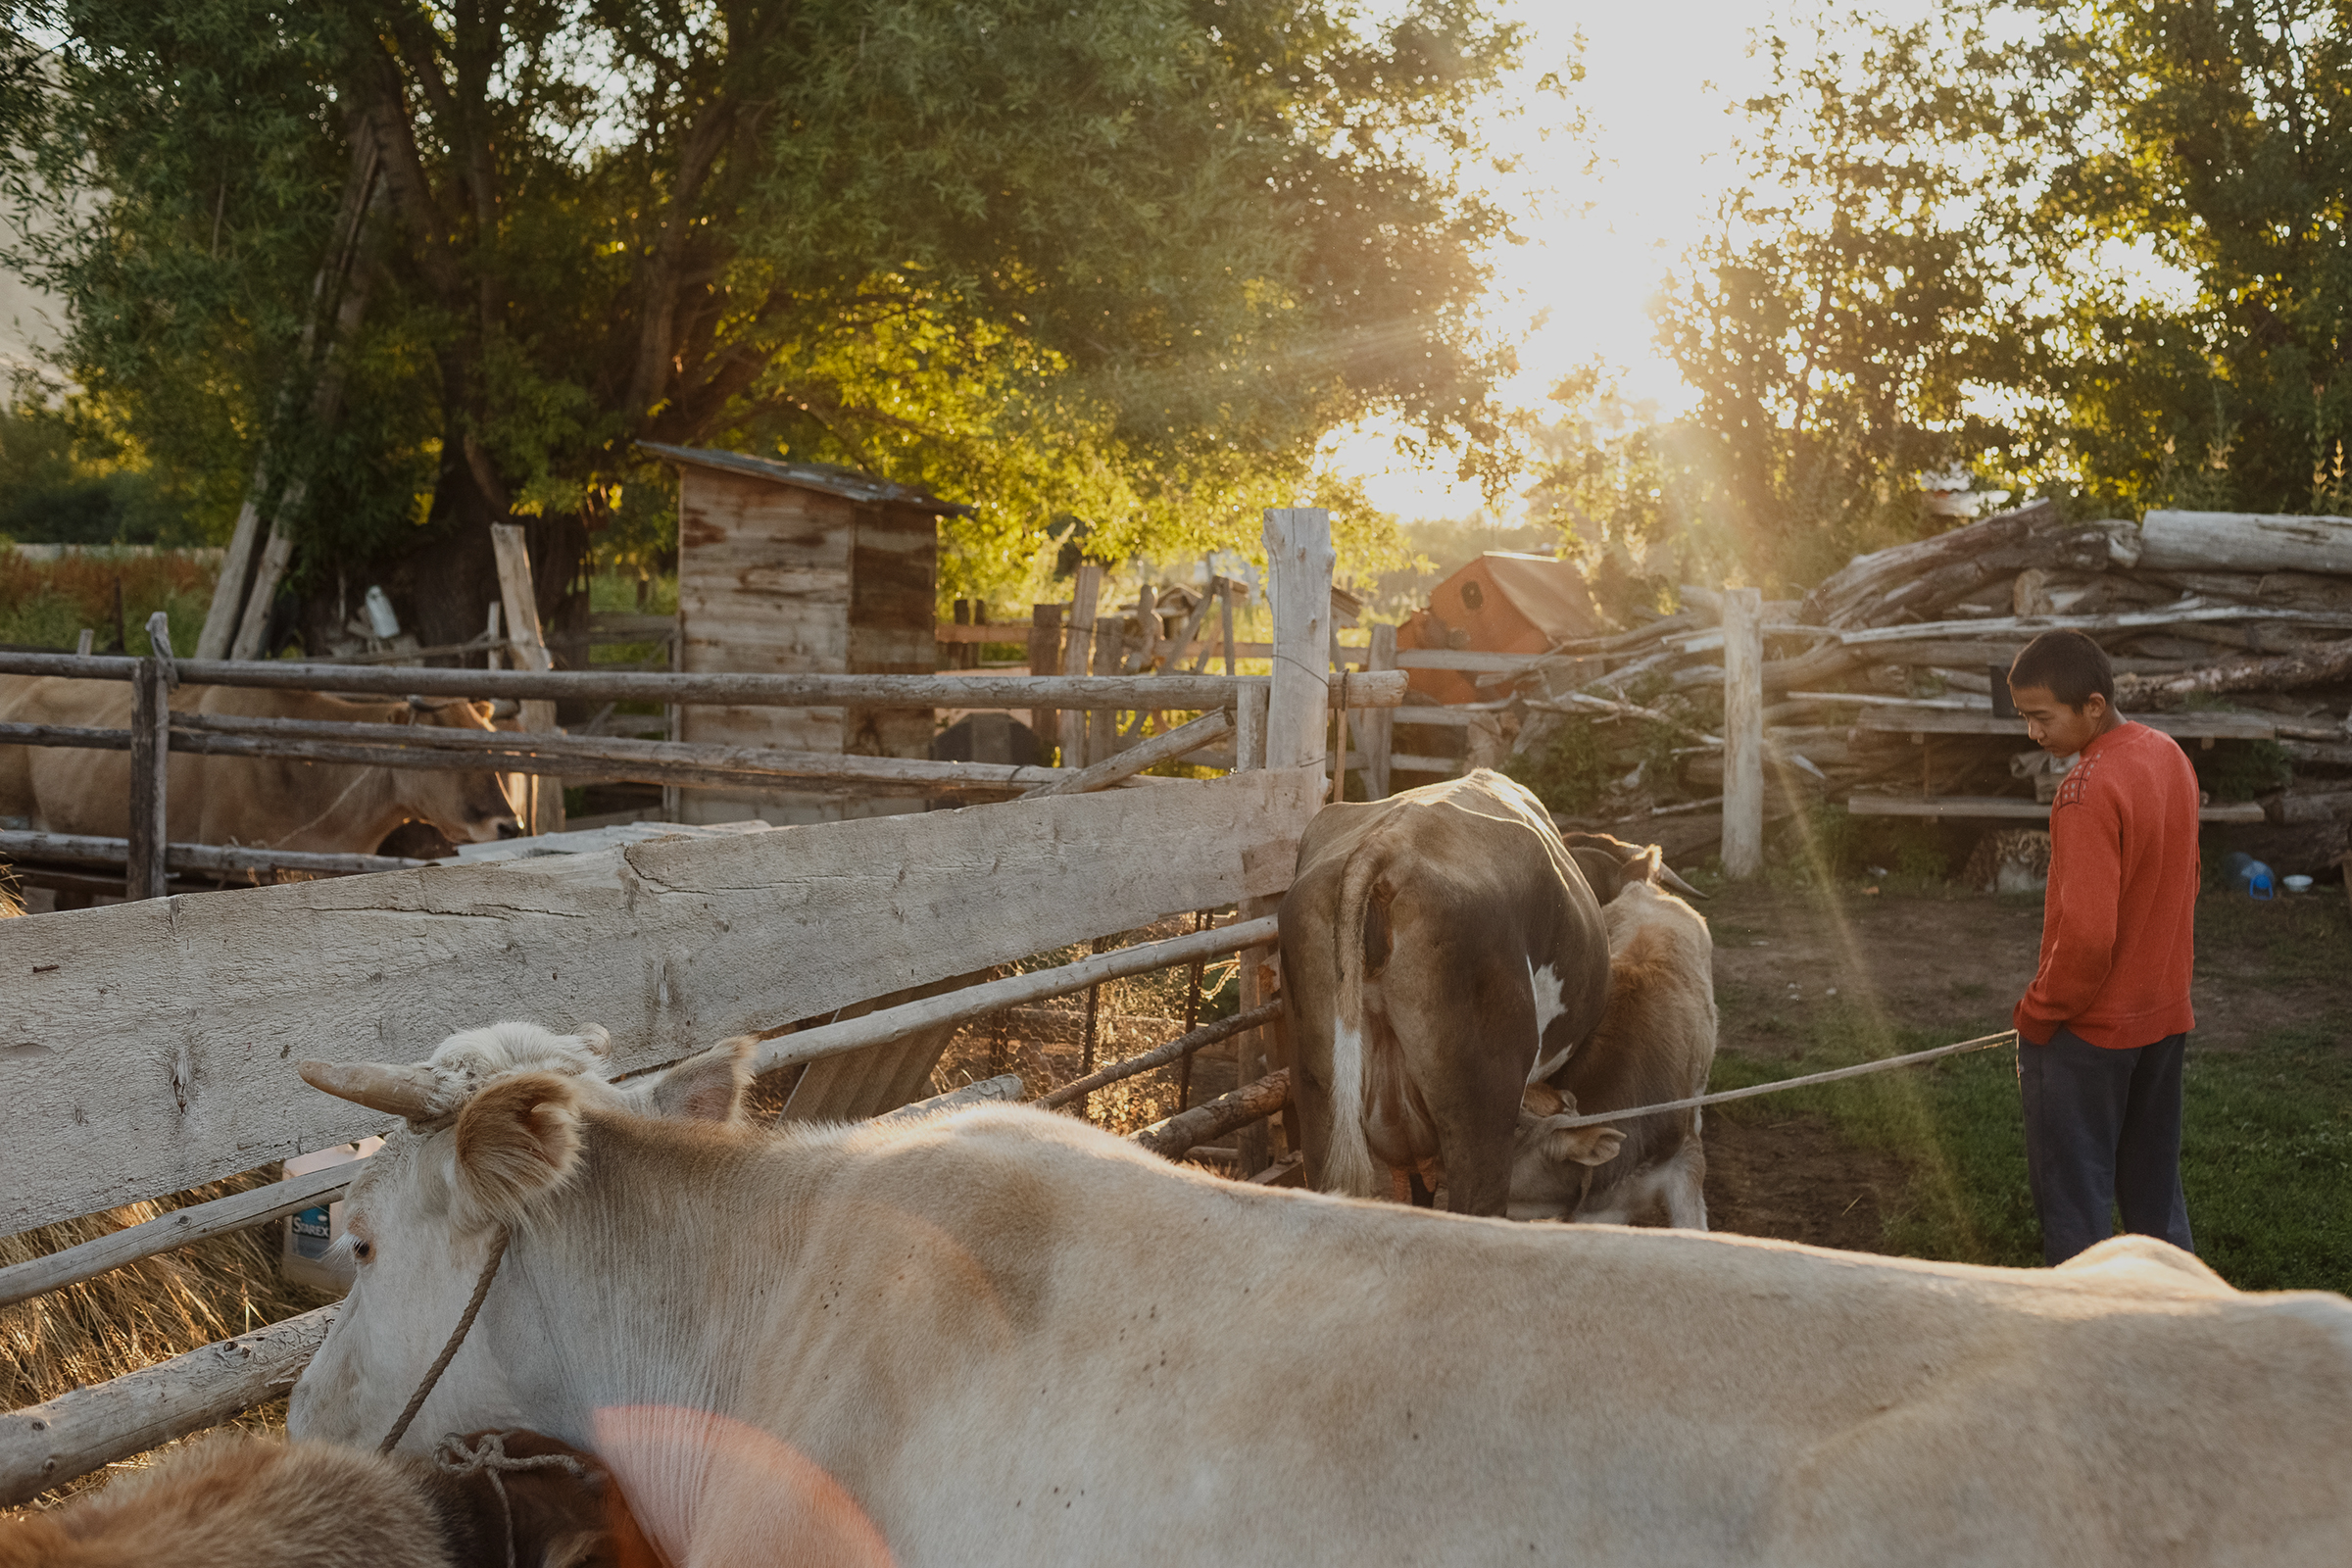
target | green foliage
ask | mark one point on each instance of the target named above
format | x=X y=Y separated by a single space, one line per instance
x=1570 y=772
x=2211 y=141
x=1573 y=769
x=1127 y=261
x=2092 y=252
x=1833 y=324
x=2240 y=770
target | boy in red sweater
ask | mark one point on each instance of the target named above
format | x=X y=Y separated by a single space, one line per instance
x=2102 y=1028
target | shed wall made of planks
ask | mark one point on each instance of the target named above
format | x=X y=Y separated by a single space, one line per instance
x=780 y=578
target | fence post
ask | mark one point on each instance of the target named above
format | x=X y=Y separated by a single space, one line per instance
x=1298 y=559
x=1077 y=657
x=1045 y=658
x=1376 y=727
x=517 y=593
x=147 y=874
x=1742 y=732
x=1297 y=722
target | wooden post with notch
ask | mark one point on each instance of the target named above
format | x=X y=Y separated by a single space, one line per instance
x=1742 y=732
x=544 y=811
x=146 y=873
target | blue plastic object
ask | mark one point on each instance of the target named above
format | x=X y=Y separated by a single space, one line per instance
x=2249 y=875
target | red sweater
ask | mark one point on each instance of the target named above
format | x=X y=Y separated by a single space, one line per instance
x=2118 y=923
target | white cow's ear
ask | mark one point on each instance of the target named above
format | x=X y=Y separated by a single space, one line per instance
x=1580 y=1146
x=708 y=1087
x=516 y=1140
x=596 y=1037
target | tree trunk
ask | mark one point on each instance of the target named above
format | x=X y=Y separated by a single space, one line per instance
x=2316 y=665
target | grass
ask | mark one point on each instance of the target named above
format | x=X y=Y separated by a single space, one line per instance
x=2265 y=1144
x=142 y=1312
x=45 y=603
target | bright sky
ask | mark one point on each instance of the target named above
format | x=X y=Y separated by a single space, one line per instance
x=1661 y=77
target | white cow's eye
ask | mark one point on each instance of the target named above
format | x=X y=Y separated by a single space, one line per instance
x=362 y=1250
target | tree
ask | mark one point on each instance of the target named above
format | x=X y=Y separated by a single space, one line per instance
x=1128 y=261
x=2213 y=141
x=1859 y=284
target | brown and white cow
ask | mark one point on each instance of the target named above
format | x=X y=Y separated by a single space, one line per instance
x=265 y=801
x=487 y=1500
x=1004 y=1337
x=1656 y=1045
x=1442 y=950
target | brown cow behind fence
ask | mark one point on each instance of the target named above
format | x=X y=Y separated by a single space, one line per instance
x=266 y=801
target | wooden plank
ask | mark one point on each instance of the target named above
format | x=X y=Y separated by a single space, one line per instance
x=147 y=1047
x=1379 y=728
x=1045 y=658
x=2024 y=628
x=1742 y=732
x=1900 y=719
x=1466 y=660
x=277 y=554
x=1000 y=1089
x=1299 y=557
x=1077 y=656
x=989 y=689
x=1007 y=631
x=146 y=875
x=1184 y=1044
x=1251 y=1103
x=178 y=1228
x=43 y=1445
x=84 y=849
x=2002 y=805
x=542 y=806
x=2244 y=541
x=887 y=1024
x=612 y=756
x=1181 y=741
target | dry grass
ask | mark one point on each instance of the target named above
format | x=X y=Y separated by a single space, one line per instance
x=46 y=603
x=1044 y=1044
x=143 y=1312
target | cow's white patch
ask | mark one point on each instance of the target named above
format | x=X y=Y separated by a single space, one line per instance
x=1545 y=986
x=1347 y=1164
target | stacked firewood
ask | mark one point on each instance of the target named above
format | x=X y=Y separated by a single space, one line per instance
x=2203 y=614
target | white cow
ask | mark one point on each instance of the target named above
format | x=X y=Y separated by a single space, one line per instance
x=1005 y=1337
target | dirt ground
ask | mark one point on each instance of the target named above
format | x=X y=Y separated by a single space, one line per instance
x=1953 y=960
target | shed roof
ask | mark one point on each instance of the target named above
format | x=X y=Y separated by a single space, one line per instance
x=1549 y=593
x=832 y=479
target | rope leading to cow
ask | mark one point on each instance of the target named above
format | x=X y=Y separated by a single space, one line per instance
x=488 y=1457
x=473 y=1308
x=2007 y=1037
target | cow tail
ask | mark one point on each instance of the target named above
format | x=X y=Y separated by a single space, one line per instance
x=1361 y=934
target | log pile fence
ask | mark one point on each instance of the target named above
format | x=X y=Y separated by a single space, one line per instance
x=150 y=1043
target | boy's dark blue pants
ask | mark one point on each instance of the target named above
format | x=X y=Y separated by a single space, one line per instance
x=2102 y=1133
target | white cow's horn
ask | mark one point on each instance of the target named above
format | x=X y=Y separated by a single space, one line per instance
x=402 y=1090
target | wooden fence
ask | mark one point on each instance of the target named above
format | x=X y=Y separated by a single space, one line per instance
x=149 y=1044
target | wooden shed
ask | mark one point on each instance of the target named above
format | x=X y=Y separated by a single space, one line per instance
x=803 y=569
x=1502 y=602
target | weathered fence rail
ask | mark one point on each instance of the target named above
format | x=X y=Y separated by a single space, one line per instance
x=1117 y=692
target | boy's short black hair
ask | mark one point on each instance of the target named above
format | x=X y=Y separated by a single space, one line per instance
x=2067 y=664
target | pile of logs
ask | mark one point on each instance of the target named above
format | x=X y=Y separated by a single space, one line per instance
x=2226 y=630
